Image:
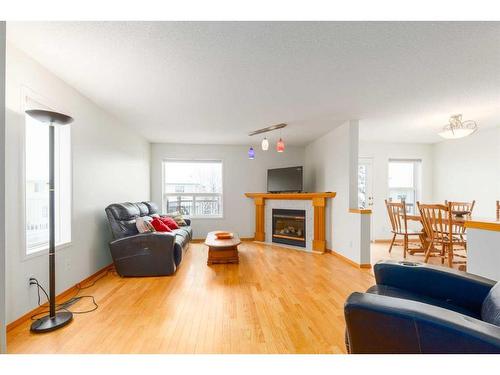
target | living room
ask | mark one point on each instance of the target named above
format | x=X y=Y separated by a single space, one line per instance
x=251 y=187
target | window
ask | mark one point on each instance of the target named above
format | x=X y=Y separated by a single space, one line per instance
x=404 y=182
x=193 y=188
x=37 y=188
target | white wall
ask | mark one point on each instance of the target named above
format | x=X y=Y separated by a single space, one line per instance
x=380 y=153
x=110 y=164
x=2 y=189
x=469 y=168
x=240 y=176
x=330 y=163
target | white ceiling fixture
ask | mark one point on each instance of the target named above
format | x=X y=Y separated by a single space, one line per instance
x=456 y=128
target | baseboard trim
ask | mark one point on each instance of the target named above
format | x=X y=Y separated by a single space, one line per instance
x=60 y=297
x=347 y=260
x=202 y=240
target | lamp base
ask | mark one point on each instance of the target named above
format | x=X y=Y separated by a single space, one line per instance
x=47 y=324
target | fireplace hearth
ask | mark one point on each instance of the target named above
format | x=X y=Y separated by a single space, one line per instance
x=289 y=227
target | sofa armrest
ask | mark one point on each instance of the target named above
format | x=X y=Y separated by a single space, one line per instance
x=456 y=287
x=381 y=324
x=145 y=254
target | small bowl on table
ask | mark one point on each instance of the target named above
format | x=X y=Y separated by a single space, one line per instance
x=224 y=235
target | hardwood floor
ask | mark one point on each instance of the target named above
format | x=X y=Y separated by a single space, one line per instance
x=380 y=251
x=275 y=301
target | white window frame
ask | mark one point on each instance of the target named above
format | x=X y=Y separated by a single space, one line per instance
x=194 y=195
x=28 y=98
x=417 y=179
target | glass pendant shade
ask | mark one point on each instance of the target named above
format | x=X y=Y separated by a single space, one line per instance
x=280 y=146
x=458 y=128
x=265 y=144
x=251 y=153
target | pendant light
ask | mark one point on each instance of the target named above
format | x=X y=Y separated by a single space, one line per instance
x=280 y=146
x=251 y=153
x=265 y=144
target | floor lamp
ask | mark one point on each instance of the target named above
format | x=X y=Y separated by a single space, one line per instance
x=55 y=319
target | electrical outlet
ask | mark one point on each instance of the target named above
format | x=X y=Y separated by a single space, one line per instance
x=28 y=280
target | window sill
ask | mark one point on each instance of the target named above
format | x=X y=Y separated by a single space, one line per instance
x=45 y=251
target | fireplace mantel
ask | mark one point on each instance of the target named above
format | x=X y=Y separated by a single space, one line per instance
x=291 y=196
x=318 y=202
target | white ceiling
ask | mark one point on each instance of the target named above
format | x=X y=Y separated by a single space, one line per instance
x=213 y=82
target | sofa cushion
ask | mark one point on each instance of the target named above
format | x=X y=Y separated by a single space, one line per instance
x=124 y=211
x=170 y=222
x=186 y=231
x=152 y=207
x=490 y=311
x=178 y=218
x=143 y=208
x=159 y=225
x=390 y=291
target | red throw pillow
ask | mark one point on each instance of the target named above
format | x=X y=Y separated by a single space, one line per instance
x=169 y=222
x=159 y=225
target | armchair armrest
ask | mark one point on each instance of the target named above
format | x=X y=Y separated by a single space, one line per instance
x=146 y=254
x=381 y=324
x=455 y=287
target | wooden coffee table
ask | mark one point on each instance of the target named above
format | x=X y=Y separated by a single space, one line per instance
x=222 y=251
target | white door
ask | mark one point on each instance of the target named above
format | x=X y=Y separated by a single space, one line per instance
x=365 y=186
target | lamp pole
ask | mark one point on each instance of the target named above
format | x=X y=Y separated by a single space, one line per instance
x=55 y=319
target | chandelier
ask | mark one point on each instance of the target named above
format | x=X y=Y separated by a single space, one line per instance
x=456 y=128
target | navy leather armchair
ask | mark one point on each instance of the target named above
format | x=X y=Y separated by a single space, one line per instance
x=419 y=308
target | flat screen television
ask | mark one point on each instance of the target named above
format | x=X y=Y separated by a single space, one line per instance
x=281 y=180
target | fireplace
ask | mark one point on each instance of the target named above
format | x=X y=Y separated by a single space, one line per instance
x=289 y=227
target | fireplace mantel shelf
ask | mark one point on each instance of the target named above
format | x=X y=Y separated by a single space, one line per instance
x=291 y=196
x=318 y=202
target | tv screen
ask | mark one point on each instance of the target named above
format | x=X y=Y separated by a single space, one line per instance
x=282 y=180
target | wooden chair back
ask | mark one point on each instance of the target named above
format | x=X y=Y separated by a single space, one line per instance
x=437 y=221
x=397 y=216
x=460 y=206
x=498 y=210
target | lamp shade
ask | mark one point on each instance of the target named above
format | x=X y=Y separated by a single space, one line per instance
x=456 y=128
x=51 y=117
x=251 y=153
x=265 y=144
x=280 y=146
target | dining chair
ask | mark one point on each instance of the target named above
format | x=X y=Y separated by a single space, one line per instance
x=438 y=223
x=461 y=207
x=399 y=224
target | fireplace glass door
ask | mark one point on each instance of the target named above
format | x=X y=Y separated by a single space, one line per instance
x=289 y=227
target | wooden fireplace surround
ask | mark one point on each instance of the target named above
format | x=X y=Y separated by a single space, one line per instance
x=318 y=202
